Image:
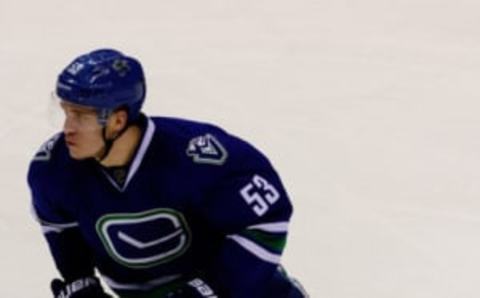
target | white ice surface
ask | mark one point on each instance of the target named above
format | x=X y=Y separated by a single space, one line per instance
x=369 y=110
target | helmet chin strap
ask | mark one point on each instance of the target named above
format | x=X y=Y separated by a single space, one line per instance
x=103 y=116
x=109 y=142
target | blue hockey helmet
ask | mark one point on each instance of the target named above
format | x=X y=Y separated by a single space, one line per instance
x=106 y=80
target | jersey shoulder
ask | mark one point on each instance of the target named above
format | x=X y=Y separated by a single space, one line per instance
x=50 y=178
x=50 y=162
x=207 y=145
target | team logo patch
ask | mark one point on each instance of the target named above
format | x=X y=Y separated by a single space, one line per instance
x=207 y=149
x=145 y=239
x=121 y=67
x=44 y=153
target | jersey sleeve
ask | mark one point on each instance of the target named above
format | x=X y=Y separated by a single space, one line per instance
x=45 y=182
x=68 y=249
x=252 y=209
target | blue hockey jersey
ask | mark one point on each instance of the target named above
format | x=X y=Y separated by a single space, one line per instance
x=196 y=200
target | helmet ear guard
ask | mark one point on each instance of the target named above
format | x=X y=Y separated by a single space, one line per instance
x=102 y=116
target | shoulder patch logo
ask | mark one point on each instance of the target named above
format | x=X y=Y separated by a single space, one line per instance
x=44 y=153
x=207 y=149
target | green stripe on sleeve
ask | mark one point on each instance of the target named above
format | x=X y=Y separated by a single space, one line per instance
x=271 y=241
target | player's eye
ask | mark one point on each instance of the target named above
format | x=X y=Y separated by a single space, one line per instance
x=81 y=117
x=87 y=116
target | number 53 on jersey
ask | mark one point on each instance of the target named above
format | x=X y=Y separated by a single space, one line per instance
x=259 y=194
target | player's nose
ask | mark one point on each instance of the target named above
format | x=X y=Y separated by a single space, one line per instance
x=69 y=126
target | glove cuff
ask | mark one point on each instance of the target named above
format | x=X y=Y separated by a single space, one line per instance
x=62 y=289
x=201 y=287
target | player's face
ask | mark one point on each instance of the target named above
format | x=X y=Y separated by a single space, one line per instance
x=83 y=133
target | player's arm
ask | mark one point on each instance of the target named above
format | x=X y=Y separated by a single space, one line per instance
x=59 y=227
x=71 y=255
x=252 y=210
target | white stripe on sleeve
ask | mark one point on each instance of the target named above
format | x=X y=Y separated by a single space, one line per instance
x=274 y=227
x=256 y=249
x=56 y=228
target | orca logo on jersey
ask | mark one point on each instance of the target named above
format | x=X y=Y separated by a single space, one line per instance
x=145 y=239
x=44 y=153
x=207 y=149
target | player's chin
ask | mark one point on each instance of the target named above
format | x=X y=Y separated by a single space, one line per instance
x=77 y=154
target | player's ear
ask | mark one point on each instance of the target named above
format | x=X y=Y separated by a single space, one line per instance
x=119 y=119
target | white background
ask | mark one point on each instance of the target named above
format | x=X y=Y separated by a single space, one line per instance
x=368 y=109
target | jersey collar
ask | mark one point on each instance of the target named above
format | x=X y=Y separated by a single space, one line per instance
x=137 y=160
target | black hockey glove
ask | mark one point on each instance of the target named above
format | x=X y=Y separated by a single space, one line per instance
x=87 y=287
x=195 y=288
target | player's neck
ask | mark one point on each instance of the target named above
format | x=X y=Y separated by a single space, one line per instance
x=123 y=148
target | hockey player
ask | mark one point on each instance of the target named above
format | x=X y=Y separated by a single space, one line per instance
x=160 y=207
